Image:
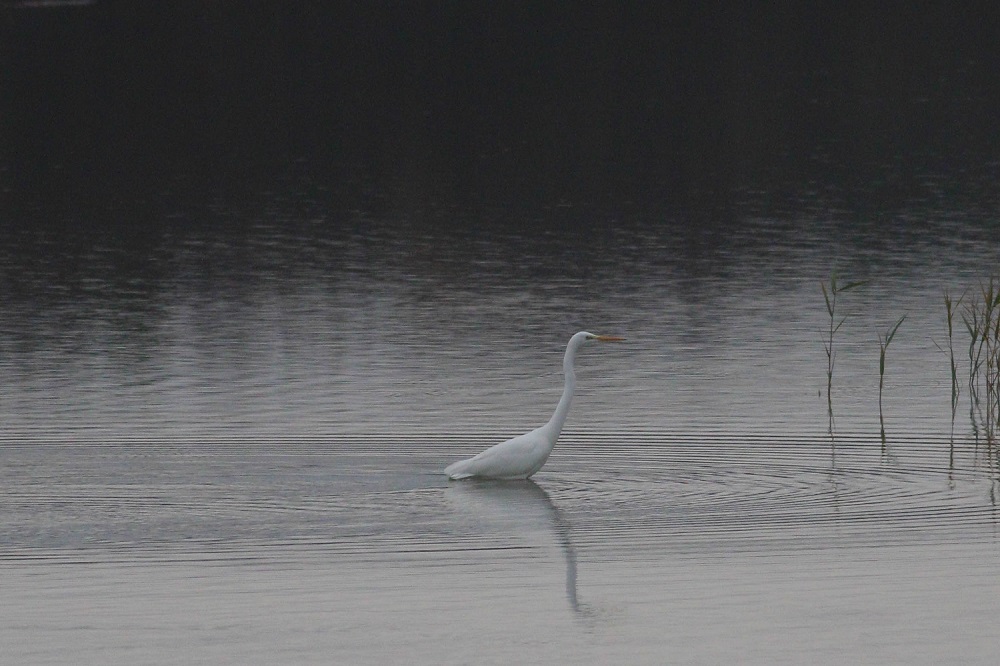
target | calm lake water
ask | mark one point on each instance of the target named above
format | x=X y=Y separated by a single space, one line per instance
x=227 y=448
x=264 y=274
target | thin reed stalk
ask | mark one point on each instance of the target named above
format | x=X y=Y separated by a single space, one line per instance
x=830 y=296
x=950 y=307
x=883 y=345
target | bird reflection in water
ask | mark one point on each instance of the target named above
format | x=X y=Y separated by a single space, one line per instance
x=526 y=507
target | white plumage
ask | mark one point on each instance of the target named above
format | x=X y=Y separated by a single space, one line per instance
x=522 y=456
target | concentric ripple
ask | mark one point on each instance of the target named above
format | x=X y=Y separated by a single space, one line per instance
x=636 y=494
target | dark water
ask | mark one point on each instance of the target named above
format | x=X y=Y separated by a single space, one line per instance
x=257 y=292
x=306 y=329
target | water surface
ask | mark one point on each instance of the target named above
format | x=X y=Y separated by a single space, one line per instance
x=644 y=545
x=228 y=449
x=263 y=278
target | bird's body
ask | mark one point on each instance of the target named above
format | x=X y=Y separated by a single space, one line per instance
x=517 y=458
x=522 y=456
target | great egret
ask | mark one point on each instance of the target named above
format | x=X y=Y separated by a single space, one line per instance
x=522 y=456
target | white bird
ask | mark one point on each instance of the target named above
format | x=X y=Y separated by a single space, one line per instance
x=522 y=456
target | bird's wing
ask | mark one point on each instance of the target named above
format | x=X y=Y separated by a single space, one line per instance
x=514 y=457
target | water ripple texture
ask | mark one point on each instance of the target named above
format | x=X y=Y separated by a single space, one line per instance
x=641 y=494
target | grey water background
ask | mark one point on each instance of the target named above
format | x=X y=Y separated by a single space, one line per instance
x=255 y=299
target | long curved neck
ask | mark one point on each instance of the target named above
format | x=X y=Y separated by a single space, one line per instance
x=562 y=409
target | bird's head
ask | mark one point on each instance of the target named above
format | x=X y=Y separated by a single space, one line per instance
x=587 y=337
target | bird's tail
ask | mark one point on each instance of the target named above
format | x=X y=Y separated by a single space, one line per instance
x=459 y=470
